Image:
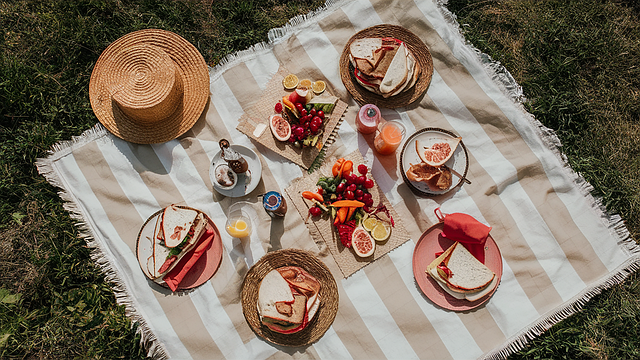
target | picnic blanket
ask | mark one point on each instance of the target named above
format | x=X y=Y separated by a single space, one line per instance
x=559 y=247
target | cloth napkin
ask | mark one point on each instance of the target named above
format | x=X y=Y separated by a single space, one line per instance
x=465 y=229
x=175 y=276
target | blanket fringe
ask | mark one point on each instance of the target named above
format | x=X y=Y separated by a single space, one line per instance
x=155 y=349
x=512 y=90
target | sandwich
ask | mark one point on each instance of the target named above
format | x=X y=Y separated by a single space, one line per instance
x=384 y=66
x=461 y=275
x=177 y=231
x=288 y=299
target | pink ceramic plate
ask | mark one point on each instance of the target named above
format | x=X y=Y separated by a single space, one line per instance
x=203 y=269
x=432 y=242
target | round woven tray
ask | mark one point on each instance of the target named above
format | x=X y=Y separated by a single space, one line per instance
x=417 y=48
x=328 y=296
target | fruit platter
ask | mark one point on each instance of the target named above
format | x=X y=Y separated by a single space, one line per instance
x=297 y=116
x=343 y=206
x=300 y=116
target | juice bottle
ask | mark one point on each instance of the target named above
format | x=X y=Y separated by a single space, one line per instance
x=368 y=119
x=389 y=137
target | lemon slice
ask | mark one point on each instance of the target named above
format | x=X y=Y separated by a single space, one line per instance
x=290 y=82
x=369 y=223
x=318 y=87
x=305 y=83
x=380 y=232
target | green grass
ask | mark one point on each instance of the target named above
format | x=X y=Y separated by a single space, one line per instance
x=576 y=60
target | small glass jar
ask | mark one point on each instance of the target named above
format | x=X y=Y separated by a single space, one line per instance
x=368 y=119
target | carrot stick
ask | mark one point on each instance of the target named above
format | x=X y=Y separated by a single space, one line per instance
x=347 y=203
x=342 y=214
x=311 y=195
x=352 y=209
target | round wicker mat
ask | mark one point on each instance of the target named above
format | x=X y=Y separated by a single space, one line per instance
x=417 y=48
x=328 y=296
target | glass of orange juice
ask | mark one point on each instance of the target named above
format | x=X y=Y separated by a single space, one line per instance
x=238 y=221
x=389 y=137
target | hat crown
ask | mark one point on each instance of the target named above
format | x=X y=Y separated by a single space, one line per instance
x=150 y=86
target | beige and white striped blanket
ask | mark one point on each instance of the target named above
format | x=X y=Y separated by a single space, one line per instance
x=559 y=248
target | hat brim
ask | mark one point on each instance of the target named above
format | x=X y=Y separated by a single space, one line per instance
x=189 y=64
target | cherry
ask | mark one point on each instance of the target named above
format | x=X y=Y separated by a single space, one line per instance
x=315 y=211
x=320 y=114
x=312 y=112
x=349 y=195
x=362 y=169
x=359 y=193
x=359 y=198
x=360 y=180
x=352 y=187
x=278 y=108
x=340 y=187
x=368 y=183
x=303 y=112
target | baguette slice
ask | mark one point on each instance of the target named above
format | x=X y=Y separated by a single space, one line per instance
x=468 y=272
x=396 y=74
x=465 y=268
x=364 y=49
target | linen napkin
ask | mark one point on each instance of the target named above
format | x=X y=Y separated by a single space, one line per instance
x=465 y=229
x=175 y=276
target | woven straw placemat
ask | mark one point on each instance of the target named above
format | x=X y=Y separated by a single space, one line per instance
x=322 y=227
x=263 y=109
x=328 y=296
x=417 y=48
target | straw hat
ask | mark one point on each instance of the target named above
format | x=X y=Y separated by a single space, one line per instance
x=149 y=86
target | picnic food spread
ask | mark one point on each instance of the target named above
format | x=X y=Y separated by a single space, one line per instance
x=559 y=248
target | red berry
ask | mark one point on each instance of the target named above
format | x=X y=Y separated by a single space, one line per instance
x=359 y=193
x=315 y=211
x=349 y=195
x=278 y=108
x=340 y=187
x=362 y=169
x=320 y=114
x=368 y=184
x=352 y=187
x=312 y=112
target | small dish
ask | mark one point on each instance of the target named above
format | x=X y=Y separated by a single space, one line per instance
x=223 y=170
x=459 y=162
x=246 y=182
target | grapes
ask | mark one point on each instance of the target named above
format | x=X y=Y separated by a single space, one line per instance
x=362 y=169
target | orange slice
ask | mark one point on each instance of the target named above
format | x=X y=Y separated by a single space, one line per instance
x=319 y=87
x=305 y=83
x=290 y=82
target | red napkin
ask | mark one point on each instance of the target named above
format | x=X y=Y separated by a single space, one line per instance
x=467 y=230
x=175 y=276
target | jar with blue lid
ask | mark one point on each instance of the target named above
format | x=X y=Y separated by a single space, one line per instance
x=274 y=204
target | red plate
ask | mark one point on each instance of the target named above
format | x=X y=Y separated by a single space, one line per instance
x=203 y=269
x=432 y=242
